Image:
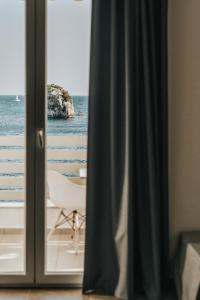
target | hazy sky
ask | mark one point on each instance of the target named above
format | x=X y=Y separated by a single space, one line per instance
x=68 y=45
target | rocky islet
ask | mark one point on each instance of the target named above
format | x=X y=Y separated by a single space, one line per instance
x=60 y=103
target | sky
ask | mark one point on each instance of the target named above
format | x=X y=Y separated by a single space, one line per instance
x=68 y=45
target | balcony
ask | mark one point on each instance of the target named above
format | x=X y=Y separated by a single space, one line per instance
x=66 y=155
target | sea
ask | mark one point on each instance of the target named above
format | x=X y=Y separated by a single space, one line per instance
x=12 y=117
x=12 y=123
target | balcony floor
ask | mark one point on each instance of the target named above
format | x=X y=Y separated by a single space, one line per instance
x=60 y=256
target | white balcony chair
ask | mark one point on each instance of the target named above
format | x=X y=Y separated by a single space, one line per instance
x=68 y=196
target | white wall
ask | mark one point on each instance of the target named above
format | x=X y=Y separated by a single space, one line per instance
x=184 y=111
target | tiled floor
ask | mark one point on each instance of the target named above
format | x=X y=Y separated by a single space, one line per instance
x=60 y=256
x=11 y=252
x=44 y=294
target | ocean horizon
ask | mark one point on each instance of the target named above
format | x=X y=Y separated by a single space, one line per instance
x=12 y=117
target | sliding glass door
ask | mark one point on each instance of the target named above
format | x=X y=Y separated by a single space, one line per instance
x=12 y=137
x=64 y=128
x=44 y=59
x=68 y=40
x=16 y=145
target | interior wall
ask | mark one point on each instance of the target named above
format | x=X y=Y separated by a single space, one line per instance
x=184 y=114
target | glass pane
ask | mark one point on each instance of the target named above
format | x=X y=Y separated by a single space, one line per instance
x=12 y=138
x=67 y=116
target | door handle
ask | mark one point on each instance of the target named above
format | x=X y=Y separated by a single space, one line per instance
x=40 y=138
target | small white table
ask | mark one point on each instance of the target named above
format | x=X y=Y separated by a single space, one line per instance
x=191 y=272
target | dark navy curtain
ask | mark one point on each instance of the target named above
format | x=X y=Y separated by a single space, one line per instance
x=127 y=187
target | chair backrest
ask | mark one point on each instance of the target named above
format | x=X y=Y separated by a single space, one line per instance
x=65 y=194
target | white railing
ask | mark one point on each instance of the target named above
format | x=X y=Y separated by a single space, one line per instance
x=68 y=159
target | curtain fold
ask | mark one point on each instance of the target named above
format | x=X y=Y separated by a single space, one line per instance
x=126 y=250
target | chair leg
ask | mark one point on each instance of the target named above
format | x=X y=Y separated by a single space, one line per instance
x=75 y=220
x=55 y=225
x=76 y=232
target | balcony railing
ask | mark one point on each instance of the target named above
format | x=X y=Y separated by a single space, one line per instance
x=65 y=154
